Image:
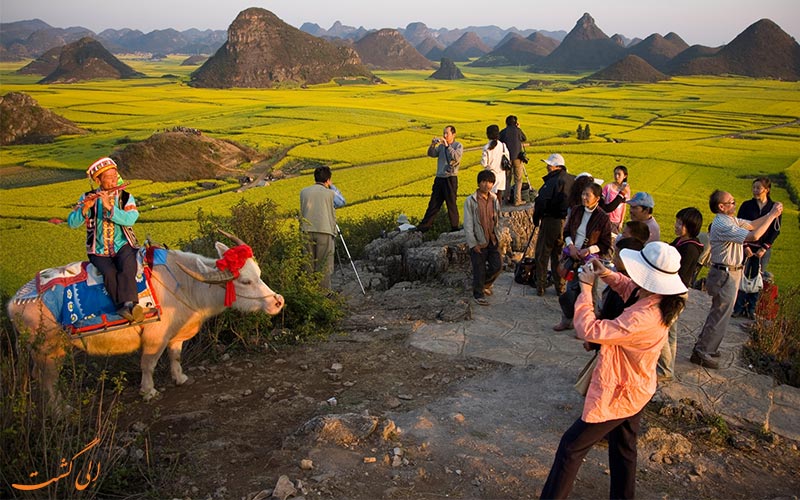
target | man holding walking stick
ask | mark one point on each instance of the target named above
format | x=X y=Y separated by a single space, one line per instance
x=318 y=221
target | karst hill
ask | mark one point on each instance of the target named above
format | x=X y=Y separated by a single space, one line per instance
x=585 y=47
x=631 y=68
x=763 y=50
x=387 y=49
x=262 y=51
x=87 y=59
x=516 y=50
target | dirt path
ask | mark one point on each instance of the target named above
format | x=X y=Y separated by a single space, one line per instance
x=466 y=428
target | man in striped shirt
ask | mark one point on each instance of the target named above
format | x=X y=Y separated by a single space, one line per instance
x=726 y=237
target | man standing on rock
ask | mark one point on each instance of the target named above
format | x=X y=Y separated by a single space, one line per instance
x=481 y=215
x=726 y=237
x=549 y=213
x=445 y=185
x=317 y=208
x=514 y=138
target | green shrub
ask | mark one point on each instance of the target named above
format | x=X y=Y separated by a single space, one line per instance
x=278 y=247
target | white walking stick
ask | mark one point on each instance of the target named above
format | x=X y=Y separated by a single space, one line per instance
x=351 y=259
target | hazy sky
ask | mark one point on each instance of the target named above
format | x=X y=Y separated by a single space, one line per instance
x=707 y=22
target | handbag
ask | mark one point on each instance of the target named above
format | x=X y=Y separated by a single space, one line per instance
x=585 y=375
x=505 y=163
x=566 y=264
x=752 y=282
x=525 y=271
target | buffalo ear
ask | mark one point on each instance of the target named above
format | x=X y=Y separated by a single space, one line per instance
x=221 y=248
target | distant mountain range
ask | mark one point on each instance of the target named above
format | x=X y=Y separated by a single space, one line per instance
x=260 y=50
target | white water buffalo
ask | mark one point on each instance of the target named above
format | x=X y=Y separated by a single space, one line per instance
x=190 y=289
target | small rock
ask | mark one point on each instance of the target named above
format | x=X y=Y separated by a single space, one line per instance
x=348 y=384
x=284 y=488
x=393 y=402
x=335 y=376
x=247 y=392
x=225 y=357
x=458 y=417
x=225 y=398
x=332 y=401
x=405 y=397
x=303 y=366
x=306 y=464
x=390 y=431
x=279 y=361
x=397 y=461
x=398 y=452
x=370 y=460
x=139 y=427
x=261 y=495
x=337 y=367
x=699 y=469
x=429 y=376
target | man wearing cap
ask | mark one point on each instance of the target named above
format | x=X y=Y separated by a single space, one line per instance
x=317 y=208
x=549 y=213
x=642 y=210
x=726 y=238
x=109 y=214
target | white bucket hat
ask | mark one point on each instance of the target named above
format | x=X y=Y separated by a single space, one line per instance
x=655 y=268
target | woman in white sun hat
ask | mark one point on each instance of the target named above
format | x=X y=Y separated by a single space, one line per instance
x=624 y=378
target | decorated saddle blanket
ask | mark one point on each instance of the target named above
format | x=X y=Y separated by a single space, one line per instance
x=76 y=295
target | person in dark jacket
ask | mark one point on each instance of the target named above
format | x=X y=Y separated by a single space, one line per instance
x=514 y=139
x=759 y=251
x=587 y=233
x=549 y=212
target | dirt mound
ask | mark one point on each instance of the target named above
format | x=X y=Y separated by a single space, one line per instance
x=585 y=47
x=183 y=154
x=763 y=50
x=23 y=121
x=469 y=45
x=658 y=50
x=516 y=50
x=87 y=59
x=447 y=71
x=630 y=69
x=263 y=51
x=387 y=49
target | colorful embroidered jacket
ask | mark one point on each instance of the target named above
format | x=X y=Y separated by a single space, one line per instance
x=107 y=231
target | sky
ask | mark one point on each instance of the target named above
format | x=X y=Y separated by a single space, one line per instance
x=705 y=22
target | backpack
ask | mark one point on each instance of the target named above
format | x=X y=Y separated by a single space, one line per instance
x=525 y=271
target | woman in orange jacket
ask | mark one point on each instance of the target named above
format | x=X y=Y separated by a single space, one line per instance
x=624 y=378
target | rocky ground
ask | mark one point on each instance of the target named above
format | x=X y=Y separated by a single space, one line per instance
x=365 y=416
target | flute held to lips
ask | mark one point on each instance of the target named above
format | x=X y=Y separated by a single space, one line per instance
x=95 y=195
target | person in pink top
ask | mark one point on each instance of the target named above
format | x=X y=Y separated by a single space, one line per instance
x=612 y=190
x=624 y=378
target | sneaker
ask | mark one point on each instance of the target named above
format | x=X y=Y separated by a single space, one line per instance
x=561 y=326
x=481 y=301
x=715 y=354
x=703 y=360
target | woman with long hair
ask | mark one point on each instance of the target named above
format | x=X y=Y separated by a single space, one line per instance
x=492 y=159
x=619 y=186
x=624 y=379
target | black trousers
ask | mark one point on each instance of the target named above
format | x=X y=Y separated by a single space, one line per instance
x=445 y=190
x=549 y=244
x=486 y=266
x=119 y=275
x=576 y=443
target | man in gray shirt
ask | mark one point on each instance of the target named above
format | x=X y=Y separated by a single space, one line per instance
x=448 y=153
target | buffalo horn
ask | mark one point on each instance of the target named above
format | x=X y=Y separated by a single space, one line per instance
x=232 y=237
x=211 y=277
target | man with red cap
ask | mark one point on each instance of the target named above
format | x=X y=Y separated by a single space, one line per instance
x=109 y=214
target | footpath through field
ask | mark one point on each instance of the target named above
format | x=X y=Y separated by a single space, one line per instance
x=517 y=329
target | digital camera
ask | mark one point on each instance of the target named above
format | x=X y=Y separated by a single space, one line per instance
x=523 y=157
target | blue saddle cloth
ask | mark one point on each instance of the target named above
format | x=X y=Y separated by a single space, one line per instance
x=76 y=295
